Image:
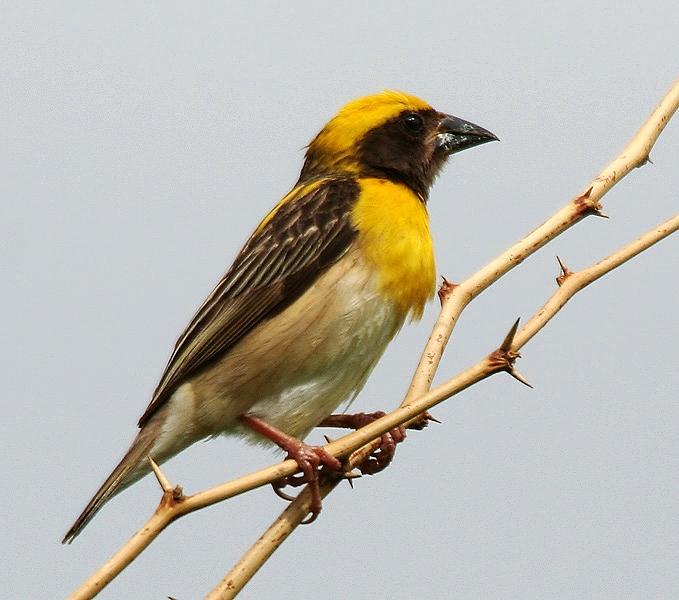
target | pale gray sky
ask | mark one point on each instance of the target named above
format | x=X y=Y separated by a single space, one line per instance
x=141 y=144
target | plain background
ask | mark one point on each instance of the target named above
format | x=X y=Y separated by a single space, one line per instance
x=141 y=143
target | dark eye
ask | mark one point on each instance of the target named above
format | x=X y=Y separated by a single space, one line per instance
x=414 y=122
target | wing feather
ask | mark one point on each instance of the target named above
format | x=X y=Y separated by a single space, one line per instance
x=309 y=231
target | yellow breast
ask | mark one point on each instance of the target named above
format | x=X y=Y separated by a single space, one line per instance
x=393 y=227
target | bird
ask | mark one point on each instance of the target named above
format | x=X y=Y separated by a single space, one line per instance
x=326 y=280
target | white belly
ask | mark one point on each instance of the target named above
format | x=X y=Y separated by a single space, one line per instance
x=296 y=368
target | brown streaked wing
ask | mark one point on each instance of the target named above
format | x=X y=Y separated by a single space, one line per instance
x=275 y=267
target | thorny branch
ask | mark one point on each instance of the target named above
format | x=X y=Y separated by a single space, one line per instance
x=355 y=446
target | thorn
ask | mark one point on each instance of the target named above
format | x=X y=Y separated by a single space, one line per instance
x=581 y=200
x=431 y=417
x=598 y=213
x=504 y=357
x=446 y=288
x=422 y=421
x=164 y=482
x=509 y=338
x=564 y=269
x=586 y=206
x=642 y=162
x=516 y=375
x=328 y=439
x=565 y=272
x=350 y=476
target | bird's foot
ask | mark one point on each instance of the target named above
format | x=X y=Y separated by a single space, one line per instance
x=380 y=458
x=311 y=460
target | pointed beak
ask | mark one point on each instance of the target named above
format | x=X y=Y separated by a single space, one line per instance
x=454 y=135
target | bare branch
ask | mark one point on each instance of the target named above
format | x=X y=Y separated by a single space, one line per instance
x=570 y=283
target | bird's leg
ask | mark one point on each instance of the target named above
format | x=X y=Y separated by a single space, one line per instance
x=383 y=455
x=308 y=458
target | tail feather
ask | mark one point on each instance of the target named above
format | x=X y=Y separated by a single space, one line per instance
x=131 y=468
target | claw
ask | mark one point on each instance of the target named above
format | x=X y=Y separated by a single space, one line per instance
x=380 y=458
x=278 y=486
x=309 y=459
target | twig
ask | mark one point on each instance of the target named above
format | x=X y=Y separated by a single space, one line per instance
x=456 y=297
x=570 y=283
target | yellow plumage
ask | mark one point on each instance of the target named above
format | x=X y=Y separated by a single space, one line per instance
x=394 y=234
x=336 y=142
